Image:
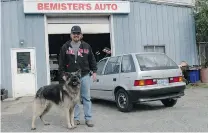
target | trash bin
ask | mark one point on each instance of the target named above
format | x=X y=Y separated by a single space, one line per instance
x=194 y=75
x=4 y=94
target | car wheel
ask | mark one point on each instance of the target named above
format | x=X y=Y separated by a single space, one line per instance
x=169 y=102
x=123 y=101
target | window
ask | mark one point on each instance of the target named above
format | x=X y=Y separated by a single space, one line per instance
x=100 y=66
x=23 y=62
x=127 y=64
x=156 y=61
x=155 y=48
x=113 y=65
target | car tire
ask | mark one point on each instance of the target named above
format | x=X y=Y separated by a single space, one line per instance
x=169 y=102
x=123 y=101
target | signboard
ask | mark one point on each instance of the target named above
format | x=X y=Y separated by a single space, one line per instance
x=37 y=6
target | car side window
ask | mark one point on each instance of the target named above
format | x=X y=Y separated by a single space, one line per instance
x=100 y=66
x=127 y=64
x=113 y=65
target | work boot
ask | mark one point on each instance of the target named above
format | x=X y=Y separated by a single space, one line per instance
x=89 y=123
x=77 y=122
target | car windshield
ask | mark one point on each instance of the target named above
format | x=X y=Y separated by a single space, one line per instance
x=155 y=61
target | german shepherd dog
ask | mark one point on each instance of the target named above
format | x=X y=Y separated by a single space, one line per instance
x=65 y=95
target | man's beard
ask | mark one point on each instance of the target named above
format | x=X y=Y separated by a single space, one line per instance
x=76 y=40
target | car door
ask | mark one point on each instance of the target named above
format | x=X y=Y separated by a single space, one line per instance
x=97 y=86
x=128 y=72
x=110 y=77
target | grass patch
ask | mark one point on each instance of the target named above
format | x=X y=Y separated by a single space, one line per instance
x=197 y=85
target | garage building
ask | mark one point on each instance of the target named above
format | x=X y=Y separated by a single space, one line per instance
x=33 y=32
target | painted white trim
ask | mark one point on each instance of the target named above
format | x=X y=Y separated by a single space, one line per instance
x=88 y=19
x=36 y=76
x=12 y=68
x=12 y=74
x=86 y=28
x=176 y=2
x=112 y=36
x=47 y=51
x=169 y=2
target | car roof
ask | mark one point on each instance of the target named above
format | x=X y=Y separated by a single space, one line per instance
x=133 y=54
x=139 y=53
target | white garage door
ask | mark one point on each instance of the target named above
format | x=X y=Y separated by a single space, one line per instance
x=89 y=25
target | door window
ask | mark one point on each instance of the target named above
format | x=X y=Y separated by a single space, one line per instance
x=113 y=65
x=127 y=64
x=100 y=66
x=23 y=62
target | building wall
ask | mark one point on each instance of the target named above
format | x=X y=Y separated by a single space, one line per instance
x=17 y=26
x=154 y=24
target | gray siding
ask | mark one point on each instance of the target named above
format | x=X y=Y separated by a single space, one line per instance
x=17 y=26
x=146 y=24
x=152 y=24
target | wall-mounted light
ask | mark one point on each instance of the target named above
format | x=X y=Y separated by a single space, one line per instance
x=21 y=42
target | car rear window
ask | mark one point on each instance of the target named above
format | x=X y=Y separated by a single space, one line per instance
x=155 y=61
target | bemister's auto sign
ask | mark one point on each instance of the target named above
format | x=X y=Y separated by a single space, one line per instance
x=76 y=6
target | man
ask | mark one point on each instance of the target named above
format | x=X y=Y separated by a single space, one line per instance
x=77 y=54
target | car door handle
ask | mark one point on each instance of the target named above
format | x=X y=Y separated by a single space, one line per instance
x=114 y=79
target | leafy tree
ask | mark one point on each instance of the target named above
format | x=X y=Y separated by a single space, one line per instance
x=201 y=19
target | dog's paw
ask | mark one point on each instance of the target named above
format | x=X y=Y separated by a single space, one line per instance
x=46 y=124
x=74 y=126
x=33 y=128
x=69 y=126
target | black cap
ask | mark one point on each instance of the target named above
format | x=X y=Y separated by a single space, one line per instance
x=76 y=29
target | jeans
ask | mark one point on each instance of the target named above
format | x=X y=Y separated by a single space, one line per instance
x=85 y=95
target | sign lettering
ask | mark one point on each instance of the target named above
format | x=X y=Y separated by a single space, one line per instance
x=76 y=6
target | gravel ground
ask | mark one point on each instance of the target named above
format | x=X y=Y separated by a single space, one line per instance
x=189 y=114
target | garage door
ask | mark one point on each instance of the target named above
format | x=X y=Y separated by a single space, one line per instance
x=89 y=25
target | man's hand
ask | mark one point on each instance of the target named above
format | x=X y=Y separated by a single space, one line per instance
x=94 y=77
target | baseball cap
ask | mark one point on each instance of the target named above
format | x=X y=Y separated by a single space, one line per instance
x=75 y=29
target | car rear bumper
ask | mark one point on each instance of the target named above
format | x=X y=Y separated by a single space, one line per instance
x=156 y=94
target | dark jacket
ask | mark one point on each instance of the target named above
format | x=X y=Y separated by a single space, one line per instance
x=85 y=59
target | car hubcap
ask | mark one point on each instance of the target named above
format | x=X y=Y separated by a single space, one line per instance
x=122 y=100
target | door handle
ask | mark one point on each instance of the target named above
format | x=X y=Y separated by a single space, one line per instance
x=114 y=79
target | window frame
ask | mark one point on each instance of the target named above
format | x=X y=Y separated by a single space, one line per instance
x=107 y=64
x=134 y=70
x=102 y=73
x=155 y=46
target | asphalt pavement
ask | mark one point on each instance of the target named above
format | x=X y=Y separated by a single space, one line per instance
x=190 y=114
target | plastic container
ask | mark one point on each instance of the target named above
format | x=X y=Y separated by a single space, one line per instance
x=204 y=75
x=194 y=75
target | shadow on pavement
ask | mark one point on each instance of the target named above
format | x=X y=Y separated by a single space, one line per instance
x=150 y=106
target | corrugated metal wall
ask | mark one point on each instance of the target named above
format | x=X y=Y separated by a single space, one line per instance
x=152 y=24
x=17 y=26
x=146 y=24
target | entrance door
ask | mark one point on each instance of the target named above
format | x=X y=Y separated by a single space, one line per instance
x=23 y=72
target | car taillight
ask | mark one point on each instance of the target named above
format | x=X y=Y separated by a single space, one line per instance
x=144 y=82
x=176 y=79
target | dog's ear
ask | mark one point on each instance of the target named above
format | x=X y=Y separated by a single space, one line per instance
x=65 y=76
x=78 y=72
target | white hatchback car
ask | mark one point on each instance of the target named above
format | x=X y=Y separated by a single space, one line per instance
x=138 y=77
